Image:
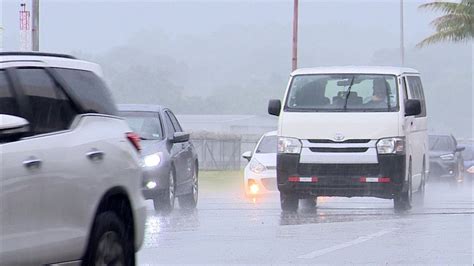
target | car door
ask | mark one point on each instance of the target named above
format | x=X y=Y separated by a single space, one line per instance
x=179 y=153
x=417 y=129
x=187 y=150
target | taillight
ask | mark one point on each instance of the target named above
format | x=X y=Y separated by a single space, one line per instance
x=134 y=139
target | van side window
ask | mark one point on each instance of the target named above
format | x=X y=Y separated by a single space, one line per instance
x=51 y=109
x=416 y=92
x=8 y=104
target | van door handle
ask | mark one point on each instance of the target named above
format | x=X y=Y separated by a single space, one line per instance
x=95 y=155
x=32 y=162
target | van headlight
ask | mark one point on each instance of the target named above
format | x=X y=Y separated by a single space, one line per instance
x=151 y=160
x=257 y=167
x=391 y=146
x=447 y=157
x=289 y=145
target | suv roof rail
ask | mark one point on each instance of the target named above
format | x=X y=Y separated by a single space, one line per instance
x=36 y=54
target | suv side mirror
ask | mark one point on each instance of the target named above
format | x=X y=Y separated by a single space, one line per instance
x=412 y=107
x=274 y=107
x=179 y=137
x=460 y=149
x=13 y=127
x=247 y=155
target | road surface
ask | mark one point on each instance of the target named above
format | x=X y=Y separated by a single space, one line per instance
x=228 y=228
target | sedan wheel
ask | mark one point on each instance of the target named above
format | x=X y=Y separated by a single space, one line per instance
x=189 y=201
x=164 y=203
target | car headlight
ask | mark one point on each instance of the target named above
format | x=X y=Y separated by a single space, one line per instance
x=391 y=146
x=447 y=157
x=289 y=145
x=152 y=160
x=256 y=167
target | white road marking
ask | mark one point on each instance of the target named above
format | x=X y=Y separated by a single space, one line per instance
x=359 y=240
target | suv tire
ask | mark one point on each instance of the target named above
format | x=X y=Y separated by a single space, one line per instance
x=109 y=243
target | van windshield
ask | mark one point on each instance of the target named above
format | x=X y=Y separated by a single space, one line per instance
x=343 y=93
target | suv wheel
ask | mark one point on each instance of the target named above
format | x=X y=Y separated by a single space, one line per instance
x=189 y=201
x=403 y=201
x=289 y=201
x=109 y=243
x=164 y=203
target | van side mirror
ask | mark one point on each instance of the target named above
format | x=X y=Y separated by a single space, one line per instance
x=180 y=137
x=412 y=107
x=247 y=155
x=13 y=127
x=274 y=107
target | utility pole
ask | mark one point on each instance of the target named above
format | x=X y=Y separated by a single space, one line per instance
x=294 y=59
x=35 y=29
x=402 y=35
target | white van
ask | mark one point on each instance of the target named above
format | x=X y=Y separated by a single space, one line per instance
x=351 y=132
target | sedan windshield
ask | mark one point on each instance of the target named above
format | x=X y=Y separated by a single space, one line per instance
x=343 y=92
x=146 y=124
x=268 y=145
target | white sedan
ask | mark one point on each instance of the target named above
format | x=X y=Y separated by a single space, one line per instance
x=260 y=172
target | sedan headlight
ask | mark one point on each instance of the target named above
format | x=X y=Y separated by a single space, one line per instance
x=289 y=145
x=447 y=157
x=256 y=167
x=152 y=160
x=391 y=146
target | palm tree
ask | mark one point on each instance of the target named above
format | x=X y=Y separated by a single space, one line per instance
x=456 y=25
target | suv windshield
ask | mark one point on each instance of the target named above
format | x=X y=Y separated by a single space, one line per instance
x=267 y=145
x=146 y=124
x=442 y=143
x=343 y=92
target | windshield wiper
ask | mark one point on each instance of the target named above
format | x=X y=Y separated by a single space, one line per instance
x=349 y=92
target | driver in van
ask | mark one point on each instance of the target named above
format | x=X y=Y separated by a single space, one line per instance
x=379 y=96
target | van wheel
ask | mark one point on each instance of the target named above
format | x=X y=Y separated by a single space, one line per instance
x=189 y=201
x=403 y=201
x=109 y=244
x=419 y=196
x=164 y=203
x=309 y=203
x=288 y=201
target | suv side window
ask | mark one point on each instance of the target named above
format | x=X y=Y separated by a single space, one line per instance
x=416 y=92
x=8 y=104
x=169 y=124
x=50 y=109
x=176 y=125
x=91 y=91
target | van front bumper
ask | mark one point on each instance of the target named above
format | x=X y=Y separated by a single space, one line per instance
x=344 y=180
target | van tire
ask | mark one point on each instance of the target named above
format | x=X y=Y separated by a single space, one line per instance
x=289 y=201
x=403 y=201
x=419 y=196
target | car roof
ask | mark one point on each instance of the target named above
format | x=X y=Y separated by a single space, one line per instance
x=385 y=70
x=270 y=134
x=140 y=108
x=49 y=60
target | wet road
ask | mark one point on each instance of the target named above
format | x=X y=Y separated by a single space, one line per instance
x=227 y=228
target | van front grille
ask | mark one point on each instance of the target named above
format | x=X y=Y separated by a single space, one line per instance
x=347 y=150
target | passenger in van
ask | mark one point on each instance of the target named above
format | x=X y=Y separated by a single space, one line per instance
x=379 y=96
x=312 y=95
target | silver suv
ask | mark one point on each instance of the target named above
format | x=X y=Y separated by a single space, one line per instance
x=70 y=177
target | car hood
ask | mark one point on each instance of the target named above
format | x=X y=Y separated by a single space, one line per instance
x=314 y=125
x=152 y=146
x=267 y=159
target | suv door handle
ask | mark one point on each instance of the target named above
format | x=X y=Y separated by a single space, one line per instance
x=95 y=155
x=32 y=162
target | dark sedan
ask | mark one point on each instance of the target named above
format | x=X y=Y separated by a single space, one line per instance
x=169 y=159
x=446 y=160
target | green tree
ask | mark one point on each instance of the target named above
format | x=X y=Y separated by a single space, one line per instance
x=456 y=25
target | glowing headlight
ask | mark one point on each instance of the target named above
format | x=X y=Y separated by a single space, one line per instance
x=256 y=167
x=471 y=170
x=447 y=157
x=151 y=185
x=289 y=145
x=391 y=146
x=151 y=160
